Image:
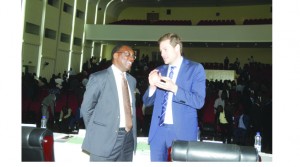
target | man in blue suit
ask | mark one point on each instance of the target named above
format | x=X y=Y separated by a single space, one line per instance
x=177 y=90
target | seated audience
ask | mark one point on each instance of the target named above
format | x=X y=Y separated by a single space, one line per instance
x=64 y=119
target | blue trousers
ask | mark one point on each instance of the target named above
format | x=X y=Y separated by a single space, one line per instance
x=161 y=142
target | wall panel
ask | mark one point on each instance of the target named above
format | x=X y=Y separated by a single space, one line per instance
x=75 y=62
x=30 y=54
x=62 y=61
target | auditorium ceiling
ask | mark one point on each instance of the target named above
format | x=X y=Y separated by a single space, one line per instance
x=122 y=4
x=188 y=3
x=194 y=3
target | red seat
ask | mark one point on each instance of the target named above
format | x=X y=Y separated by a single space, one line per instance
x=61 y=102
x=73 y=102
x=35 y=106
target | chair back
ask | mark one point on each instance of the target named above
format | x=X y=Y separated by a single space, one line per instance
x=212 y=152
x=37 y=144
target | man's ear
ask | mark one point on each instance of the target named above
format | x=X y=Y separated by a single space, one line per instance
x=115 y=55
x=177 y=48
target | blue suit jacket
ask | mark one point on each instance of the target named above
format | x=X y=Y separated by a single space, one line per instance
x=190 y=96
x=101 y=114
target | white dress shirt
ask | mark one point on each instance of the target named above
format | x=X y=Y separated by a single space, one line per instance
x=118 y=78
x=169 y=115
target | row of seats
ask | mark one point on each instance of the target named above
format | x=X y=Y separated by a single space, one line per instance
x=257 y=21
x=158 y=22
x=34 y=106
x=221 y=66
x=189 y=22
x=216 y=22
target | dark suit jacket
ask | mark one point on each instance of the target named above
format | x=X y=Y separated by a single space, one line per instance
x=190 y=96
x=101 y=114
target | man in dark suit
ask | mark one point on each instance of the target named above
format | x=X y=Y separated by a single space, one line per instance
x=108 y=138
x=175 y=100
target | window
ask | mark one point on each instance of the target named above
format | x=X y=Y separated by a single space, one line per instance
x=168 y=11
x=77 y=41
x=54 y=3
x=51 y=34
x=153 y=16
x=68 y=8
x=32 y=28
x=65 y=38
x=79 y=14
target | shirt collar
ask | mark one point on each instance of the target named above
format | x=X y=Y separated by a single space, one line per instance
x=115 y=69
x=178 y=64
x=117 y=72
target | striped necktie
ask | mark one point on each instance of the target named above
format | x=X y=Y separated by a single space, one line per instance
x=165 y=102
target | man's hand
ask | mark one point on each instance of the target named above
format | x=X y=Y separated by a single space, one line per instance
x=154 y=77
x=167 y=84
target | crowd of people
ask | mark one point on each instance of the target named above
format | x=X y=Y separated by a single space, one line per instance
x=240 y=108
x=237 y=108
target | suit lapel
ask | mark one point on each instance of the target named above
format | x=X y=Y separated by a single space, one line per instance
x=111 y=81
x=164 y=70
x=182 y=72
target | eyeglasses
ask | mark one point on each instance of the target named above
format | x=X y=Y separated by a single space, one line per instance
x=127 y=54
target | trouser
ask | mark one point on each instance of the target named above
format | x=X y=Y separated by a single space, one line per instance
x=122 y=150
x=64 y=125
x=240 y=136
x=161 y=143
x=45 y=112
x=226 y=132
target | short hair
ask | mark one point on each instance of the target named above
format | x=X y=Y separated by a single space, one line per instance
x=115 y=49
x=174 y=40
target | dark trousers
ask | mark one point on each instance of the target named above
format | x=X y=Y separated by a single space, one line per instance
x=122 y=150
x=240 y=136
x=64 y=125
x=226 y=132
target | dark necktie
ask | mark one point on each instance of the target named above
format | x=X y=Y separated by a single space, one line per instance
x=126 y=101
x=165 y=102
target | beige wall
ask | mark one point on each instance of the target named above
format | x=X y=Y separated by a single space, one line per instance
x=238 y=13
x=202 y=55
x=263 y=55
x=37 y=48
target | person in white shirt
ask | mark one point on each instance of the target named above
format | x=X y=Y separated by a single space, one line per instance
x=220 y=100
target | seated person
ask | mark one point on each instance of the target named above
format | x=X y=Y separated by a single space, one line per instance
x=75 y=121
x=224 y=121
x=64 y=119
